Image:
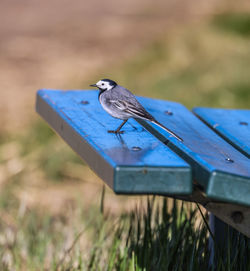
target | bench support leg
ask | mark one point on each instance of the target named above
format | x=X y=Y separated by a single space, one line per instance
x=227 y=240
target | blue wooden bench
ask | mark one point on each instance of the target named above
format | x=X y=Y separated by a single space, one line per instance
x=211 y=166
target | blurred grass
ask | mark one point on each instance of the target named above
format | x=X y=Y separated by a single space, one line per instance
x=158 y=235
x=235 y=23
x=40 y=144
x=199 y=65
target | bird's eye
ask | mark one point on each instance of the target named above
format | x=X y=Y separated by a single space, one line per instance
x=102 y=84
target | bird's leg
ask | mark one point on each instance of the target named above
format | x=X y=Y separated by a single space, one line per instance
x=117 y=131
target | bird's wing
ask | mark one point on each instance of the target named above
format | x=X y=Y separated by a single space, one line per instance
x=133 y=108
x=122 y=105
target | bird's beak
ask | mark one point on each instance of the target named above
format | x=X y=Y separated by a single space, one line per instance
x=93 y=85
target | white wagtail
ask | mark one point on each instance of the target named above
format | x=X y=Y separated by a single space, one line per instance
x=120 y=103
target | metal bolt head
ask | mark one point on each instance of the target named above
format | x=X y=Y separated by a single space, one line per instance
x=229 y=160
x=237 y=217
x=243 y=123
x=84 y=102
x=168 y=112
x=135 y=148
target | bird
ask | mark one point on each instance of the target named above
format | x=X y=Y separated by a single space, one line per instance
x=120 y=103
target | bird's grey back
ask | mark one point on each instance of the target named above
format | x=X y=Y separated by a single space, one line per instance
x=123 y=94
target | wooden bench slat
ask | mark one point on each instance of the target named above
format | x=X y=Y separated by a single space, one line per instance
x=133 y=163
x=233 y=125
x=222 y=171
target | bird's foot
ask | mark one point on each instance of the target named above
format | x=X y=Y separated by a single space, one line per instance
x=115 y=132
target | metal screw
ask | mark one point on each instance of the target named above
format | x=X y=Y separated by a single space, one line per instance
x=135 y=148
x=243 y=123
x=168 y=112
x=229 y=160
x=237 y=217
x=84 y=102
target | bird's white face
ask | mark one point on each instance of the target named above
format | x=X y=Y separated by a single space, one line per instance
x=104 y=85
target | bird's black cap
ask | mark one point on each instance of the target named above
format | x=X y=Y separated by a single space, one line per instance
x=111 y=82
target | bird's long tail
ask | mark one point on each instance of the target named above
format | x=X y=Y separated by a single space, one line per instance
x=166 y=129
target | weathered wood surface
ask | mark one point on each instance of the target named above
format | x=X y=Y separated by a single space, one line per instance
x=137 y=163
x=232 y=124
x=133 y=163
x=222 y=171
